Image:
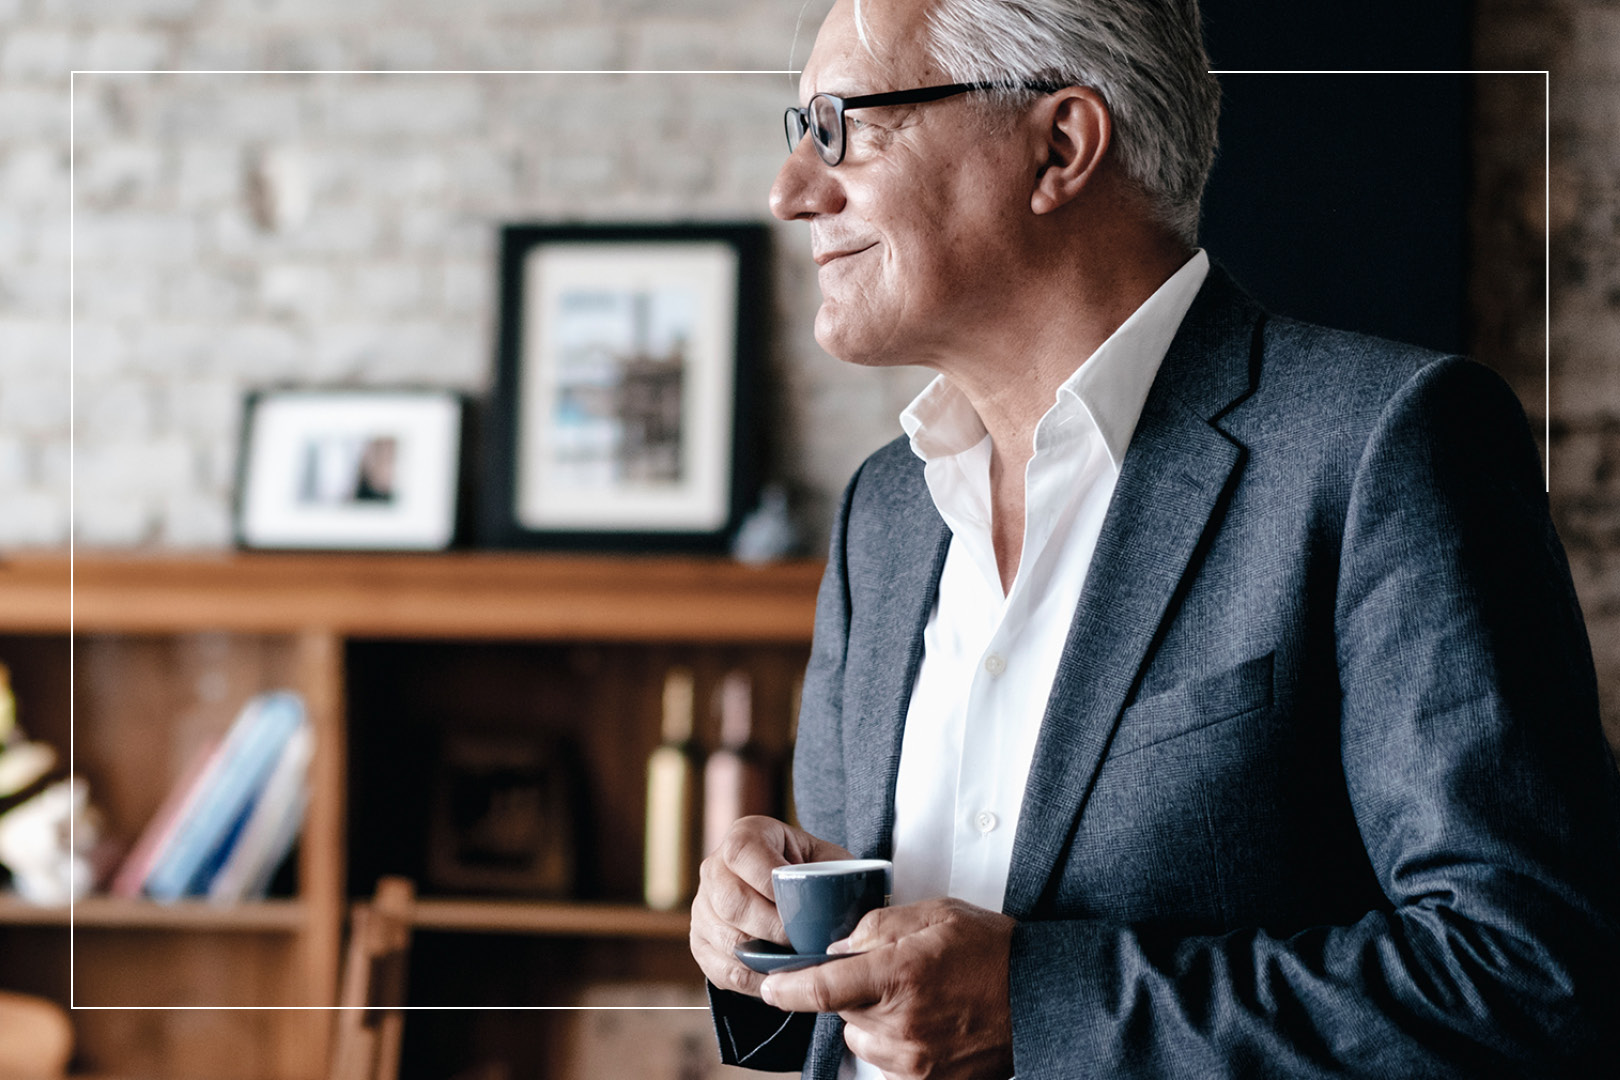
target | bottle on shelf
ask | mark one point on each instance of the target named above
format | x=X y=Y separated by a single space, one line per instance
x=669 y=868
x=737 y=780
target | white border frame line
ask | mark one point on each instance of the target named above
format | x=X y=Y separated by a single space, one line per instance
x=73 y=439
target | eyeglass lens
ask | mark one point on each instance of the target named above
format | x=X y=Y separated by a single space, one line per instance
x=825 y=126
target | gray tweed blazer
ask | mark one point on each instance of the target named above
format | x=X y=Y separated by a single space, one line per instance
x=1321 y=788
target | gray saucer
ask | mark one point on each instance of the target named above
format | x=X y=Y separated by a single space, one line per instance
x=767 y=956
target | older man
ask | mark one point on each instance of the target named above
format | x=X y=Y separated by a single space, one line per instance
x=1214 y=681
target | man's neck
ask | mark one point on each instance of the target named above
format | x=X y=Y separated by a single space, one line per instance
x=1012 y=380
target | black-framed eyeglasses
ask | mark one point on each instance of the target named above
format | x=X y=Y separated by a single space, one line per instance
x=823 y=118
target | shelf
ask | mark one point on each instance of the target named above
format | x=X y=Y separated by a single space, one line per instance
x=107 y=912
x=459 y=595
x=552 y=919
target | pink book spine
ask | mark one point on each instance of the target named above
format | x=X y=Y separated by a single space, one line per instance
x=138 y=863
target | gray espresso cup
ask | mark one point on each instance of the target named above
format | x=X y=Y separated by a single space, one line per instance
x=821 y=902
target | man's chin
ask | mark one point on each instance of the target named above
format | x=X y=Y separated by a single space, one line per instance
x=850 y=339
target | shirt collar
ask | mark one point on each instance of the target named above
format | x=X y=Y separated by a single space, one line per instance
x=1111 y=384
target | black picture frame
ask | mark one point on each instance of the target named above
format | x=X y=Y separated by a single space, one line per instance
x=580 y=455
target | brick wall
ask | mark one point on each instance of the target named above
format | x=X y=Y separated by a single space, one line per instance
x=1579 y=42
x=191 y=287
x=189 y=291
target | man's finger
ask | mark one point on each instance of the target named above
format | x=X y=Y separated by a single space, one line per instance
x=885 y=926
x=852 y=983
x=732 y=903
x=751 y=854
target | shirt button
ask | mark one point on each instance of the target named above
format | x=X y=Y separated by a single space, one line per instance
x=994 y=664
x=986 y=821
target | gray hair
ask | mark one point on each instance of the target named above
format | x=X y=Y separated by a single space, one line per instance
x=1145 y=57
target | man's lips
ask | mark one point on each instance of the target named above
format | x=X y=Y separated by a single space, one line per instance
x=824 y=257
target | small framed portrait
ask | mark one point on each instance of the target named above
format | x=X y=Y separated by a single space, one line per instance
x=364 y=470
x=623 y=400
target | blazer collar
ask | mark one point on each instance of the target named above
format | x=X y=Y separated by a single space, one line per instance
x=1172 y=485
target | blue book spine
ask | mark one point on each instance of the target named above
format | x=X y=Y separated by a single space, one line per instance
x=254 y=745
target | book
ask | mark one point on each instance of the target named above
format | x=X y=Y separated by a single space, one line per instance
x=270 y=828
x=149 y=845
x=247 y=757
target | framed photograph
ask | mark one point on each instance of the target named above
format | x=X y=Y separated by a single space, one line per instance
x=330 y=469
x=502 y=817
x=623 y=400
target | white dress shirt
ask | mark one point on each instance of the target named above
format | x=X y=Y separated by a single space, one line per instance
x=990 y=657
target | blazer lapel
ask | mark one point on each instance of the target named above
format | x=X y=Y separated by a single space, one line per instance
x=1171 y=487
x=914 y=548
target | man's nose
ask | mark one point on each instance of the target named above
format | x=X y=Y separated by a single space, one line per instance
x=805 y=186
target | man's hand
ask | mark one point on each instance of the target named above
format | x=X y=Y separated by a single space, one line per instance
x=734 y=901
x=929 y=997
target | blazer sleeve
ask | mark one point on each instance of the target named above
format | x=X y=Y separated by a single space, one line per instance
x=750 y=1032
x=1485 y=798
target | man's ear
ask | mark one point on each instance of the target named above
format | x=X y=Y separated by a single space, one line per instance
x=1077 y=128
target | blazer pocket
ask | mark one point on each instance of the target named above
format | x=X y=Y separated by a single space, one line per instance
x=1195 y=705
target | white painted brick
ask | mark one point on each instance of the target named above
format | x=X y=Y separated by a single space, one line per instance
x=105 y=295
x=128 y=50
x=548 y=48
x=204 y=291
x=339 y=351
x=413 y=106
x=117 y=175
x=53 y=463
x=309 y=11
x=483 y=177
x=238 y=107
x=35 y=176
x=119 y=409
x=36 y=405
x=228 y=47
x=195 y=521
x=389 y=289
x=404 y=48
x=32 y=344
x=141 y=467
x=297 y=290
x=34 y=519
x=16 y=464
x=332 y=230
x=432 y=231
x=17 y=237
x=113 y=519
x=261 y=352
x=38 y=53
x=122 y=10
x=306 y=52
x=208 y=175
x=100 y=351
x=201 y=406
x=141 y=237
x=27 y=112
x=469 y=288
x=216 y=458
x=32 y=289
x=167 y=350
x=581 y=175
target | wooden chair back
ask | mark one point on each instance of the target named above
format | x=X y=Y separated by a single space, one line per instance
x=371 y=1020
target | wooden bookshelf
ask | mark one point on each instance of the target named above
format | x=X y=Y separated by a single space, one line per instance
x=390 y=653
x=285 y=916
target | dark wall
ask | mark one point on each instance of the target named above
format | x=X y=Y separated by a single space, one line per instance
x=1342 y=199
